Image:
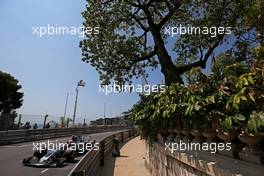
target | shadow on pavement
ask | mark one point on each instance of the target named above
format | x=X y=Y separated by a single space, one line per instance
x=109 y=166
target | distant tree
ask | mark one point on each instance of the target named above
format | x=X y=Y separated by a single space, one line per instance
x=132 y=35
x=10 y=99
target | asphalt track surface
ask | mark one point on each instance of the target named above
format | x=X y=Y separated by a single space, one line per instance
x=11 y=157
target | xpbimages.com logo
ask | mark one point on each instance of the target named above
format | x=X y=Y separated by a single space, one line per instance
x=185 y=146
x=80 y=146
x=213 y=31
x=50 y=30
x=142 y=89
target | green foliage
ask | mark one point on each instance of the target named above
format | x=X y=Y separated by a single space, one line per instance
x=234 y=97
x=255 y=122
x=10 y=97
x=226 y=123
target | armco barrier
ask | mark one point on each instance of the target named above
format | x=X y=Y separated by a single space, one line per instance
x=16 y=136
x=90 y=164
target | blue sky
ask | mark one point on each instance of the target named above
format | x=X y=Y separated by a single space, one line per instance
x=50 y=66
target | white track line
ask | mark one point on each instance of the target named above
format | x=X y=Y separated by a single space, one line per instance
x=44 y=171
x=25 y=145
x=6 y=146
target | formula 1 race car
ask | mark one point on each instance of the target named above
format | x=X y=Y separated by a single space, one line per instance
x=57 y=157
x=49 y=158
x=76 y=139
x=78 y=145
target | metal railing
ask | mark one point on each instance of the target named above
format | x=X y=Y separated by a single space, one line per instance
x=17 y=136
x=90 y=164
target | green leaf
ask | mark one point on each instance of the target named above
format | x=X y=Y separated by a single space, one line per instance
x=252 y=125
x=164 y=114
x=240 y=117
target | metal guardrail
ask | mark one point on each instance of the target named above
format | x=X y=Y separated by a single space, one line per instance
x=91 y=162
x=17 y=136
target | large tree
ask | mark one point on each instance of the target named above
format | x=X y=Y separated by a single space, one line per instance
x=10 y=98
x=133 y=35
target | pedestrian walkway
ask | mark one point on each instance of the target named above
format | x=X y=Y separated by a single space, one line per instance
x=130 y=163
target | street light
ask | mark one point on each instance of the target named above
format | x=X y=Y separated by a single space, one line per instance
x=81 y=83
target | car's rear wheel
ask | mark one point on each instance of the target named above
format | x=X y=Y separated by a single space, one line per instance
x=59 y=163
x=69 y=156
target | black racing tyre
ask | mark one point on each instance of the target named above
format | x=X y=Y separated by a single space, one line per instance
x=59 y=163
x=25 y=161
x=69 y=155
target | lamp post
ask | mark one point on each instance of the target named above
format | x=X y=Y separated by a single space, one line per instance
x=65 y=110
x=81 y=83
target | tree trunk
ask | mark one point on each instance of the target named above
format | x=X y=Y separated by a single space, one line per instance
x=168 y=68
x=169 y=72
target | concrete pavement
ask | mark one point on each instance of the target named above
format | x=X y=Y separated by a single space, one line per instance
x=130 y=163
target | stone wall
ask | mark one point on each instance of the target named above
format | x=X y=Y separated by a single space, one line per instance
x=161 y=162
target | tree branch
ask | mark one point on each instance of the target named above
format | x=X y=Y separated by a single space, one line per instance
x=202 y=61
x=172 y=10
x=147 y=56
x=139 y=59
